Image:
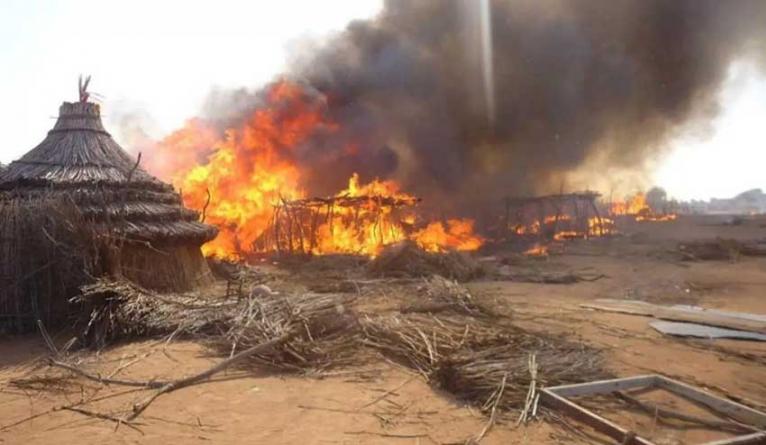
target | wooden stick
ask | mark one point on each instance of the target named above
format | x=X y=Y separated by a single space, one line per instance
x=104 y=380
x=493 y=414
x=207 y=203
x=388 y=393
x=135 y=166
x=101 y=416
x=191 y=380
x=47 y=338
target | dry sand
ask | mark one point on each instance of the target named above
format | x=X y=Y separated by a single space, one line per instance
x=268 y=408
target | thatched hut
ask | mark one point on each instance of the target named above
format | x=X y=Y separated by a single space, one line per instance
x=77 y=207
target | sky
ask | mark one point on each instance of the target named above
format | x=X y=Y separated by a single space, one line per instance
x=164 y=57
x=160 y=56
x=730 y=156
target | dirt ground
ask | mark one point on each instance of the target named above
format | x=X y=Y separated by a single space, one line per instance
x=383 y=402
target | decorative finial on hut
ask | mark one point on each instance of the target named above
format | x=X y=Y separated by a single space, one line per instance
x=83 y=87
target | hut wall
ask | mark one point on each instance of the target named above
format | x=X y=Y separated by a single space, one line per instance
x=46 y=253
x=169 y=268
x=48 y=249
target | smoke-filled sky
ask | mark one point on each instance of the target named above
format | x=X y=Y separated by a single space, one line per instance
x=157 y=57
x=584 y=93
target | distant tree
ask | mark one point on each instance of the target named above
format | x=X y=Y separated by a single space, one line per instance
x=657 y=199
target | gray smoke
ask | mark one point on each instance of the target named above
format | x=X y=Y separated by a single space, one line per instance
x=571 y=78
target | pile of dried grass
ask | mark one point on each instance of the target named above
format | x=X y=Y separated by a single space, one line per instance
x=462 y=349
x=438 y=294
x=406 y=259
x=720 y=249
x=120 y=310
x=471 y=357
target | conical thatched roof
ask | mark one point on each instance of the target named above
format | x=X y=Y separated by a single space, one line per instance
x=80 y=158
x=78 y=149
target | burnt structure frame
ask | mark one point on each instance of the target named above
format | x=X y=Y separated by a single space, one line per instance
x=294 y=223
x=557 y=398
x=586 y=200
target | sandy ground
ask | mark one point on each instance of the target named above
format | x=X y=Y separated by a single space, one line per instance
x=382 y=402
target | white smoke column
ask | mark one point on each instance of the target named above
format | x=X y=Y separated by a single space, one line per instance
x=485 y=14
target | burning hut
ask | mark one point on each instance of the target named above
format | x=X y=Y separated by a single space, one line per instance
x=556 y=217
x=360 y=220
x=78 y=207
x=358 y=224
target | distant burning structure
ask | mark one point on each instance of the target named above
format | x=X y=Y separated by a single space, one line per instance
x=555 y=218
x=638 y=207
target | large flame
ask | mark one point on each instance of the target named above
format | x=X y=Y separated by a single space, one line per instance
x=366 y=228
x=631 y=206
x=237 y=178
x=250 y=169
x=637 y=207
x=455 y=234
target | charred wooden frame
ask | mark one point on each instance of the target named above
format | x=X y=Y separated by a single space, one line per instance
x=294 y=223
x=577 y=208
x=557 y=398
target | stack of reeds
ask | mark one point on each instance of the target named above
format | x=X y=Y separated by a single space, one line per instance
x=325 y=326
x=461 y=349
x=471 y=357
x=407 y=259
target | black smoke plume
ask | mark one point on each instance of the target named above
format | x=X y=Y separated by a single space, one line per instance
x=571 y=78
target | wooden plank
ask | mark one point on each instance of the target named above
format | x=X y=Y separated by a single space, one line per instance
x=714 y=318
x=604 y=386
x=598 y=423
x=735 y=410
x=750 y=439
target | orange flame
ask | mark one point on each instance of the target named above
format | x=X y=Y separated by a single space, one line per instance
x=537 y=250
x=456 y=234
x=631 y=206
x=639 y=208
x=239 y=177
x=370 y=226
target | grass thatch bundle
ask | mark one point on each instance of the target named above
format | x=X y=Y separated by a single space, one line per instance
x=462 y=349
x=475 y=374
x=720 y=249
x=471 y=357
x=326 y=328
x=438 y=294
x=407 y=259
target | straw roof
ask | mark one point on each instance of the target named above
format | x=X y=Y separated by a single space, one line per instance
x=79 y=158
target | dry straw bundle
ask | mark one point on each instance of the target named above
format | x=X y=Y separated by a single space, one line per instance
x=471 y=357
x=322 y=324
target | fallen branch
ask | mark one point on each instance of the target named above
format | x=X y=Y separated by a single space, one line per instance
x=152 y=384
x=63 y=407
x=191 y=380
x=101 y=416
x=389 y=392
